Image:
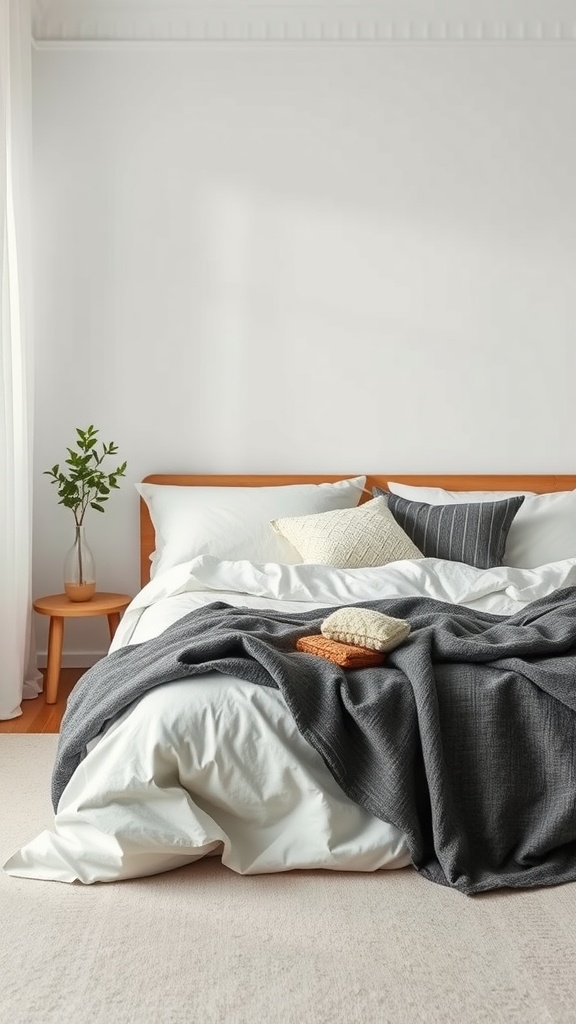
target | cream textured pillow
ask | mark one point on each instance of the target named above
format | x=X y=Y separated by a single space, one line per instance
x=365 y=627
x=349 y=538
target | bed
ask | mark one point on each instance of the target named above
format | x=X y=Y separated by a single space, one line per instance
x=206 y=733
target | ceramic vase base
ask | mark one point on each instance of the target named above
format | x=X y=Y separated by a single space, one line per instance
x=79 y=591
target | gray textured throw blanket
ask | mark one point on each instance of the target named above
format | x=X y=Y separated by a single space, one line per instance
x=465 y=739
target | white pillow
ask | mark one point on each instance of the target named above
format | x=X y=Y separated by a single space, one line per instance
x=543 y=530
x=234 y=522
x=349 y=538
x=438 y=496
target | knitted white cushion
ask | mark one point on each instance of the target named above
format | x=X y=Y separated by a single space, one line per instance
x=366 y=628
x=351 y=538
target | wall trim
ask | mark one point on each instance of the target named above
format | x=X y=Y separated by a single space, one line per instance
x=66 y=24
x=74 y=659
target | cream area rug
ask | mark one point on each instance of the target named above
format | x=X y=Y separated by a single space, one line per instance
x=202 y=945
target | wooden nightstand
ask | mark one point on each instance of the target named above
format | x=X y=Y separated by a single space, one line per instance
x=59 y=607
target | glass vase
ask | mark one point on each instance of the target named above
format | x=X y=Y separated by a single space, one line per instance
x=79 y=571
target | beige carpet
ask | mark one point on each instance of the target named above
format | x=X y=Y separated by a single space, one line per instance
x=202 y=945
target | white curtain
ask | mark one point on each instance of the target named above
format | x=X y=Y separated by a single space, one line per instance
x=19 y=677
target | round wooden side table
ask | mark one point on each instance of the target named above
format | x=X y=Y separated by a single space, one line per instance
x=59 y=607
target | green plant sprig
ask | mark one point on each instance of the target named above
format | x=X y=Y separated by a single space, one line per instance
x=86 y=485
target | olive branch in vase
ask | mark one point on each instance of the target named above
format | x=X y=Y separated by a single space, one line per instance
x=85 y=485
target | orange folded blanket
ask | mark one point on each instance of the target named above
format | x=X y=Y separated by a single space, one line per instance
x=345 y=655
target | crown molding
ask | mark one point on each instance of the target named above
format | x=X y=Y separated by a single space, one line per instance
x=71 y=23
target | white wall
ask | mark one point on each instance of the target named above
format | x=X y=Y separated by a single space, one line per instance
x=284 y=258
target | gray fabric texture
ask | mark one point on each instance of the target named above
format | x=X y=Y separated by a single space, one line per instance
x=474 y=532
x=465 y=739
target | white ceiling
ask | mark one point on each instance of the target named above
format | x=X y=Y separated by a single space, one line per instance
x=89 y=22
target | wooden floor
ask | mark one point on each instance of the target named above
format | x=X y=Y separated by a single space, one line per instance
x=37 y=716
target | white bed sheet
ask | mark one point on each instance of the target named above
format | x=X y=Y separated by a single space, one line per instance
x=217 y=766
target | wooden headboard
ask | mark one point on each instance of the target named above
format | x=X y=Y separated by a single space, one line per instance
x=540 y=483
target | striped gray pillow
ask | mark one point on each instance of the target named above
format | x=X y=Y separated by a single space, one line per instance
x=474 y=533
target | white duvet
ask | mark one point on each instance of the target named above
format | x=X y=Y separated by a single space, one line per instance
x=217 y=766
